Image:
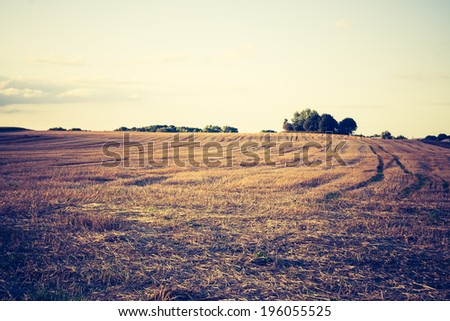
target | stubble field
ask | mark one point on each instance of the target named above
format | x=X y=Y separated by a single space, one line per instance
x=71 y=229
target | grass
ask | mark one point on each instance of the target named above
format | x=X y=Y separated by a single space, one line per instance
x=71 y=229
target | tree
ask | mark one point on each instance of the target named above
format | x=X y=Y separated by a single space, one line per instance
x=386 y=135
x=300 y=118
x=268 y=131
x=212 y=129
x=184 y=129
x=58 y=129
x=311 y=123
x=442 y=137
x=347 y=126
x=167 y=129
x=328 y=124
x=309 y=120
x=297 y=127
x=287 y=126
x=229 y=129
x=430 y=137
x=400 y=137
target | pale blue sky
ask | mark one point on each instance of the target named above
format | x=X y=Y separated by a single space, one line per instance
x=102 y=64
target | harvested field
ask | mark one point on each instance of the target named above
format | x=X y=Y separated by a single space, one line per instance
x=72 y=229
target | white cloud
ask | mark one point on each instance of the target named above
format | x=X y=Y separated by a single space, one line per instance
x=239 y=54
x=16 y=91
x=4 y=84
x=343 y=24
x=30 y=93
x=80 y=93
x=21 y=90
x=61 y=60
x=26 y=92
x=10 y=92
x=160 y=58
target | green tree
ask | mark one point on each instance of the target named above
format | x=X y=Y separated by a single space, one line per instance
x=328 y=124
x=442 y=137
x=312 y=122
x=287 y=126
x=58 y=129
x=229 y=129
x=386 y=135
x=299 y=119
x=212 y=129
x=184 y=129
x=347 y=126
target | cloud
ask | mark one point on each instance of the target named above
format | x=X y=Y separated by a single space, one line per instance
x=4 y=83
x=343 y=24
x=239 y=54
x=30 y=93
x=21 y=90
x=26 y=92
x=17 y=91
x=81 y=92
x=160 y=58
x=10 y=92
x=61 y=60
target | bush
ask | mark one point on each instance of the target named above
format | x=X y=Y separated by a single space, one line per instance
x=287 y=126
x=347 y=126
x=309 y=120
x=121 y=129
x=183 y=129
x=328 y=124
x=212 y=129
x=229 y=129
x=58 y=129
x=386 y=135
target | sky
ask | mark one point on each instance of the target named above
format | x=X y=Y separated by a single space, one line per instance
x=100 y=65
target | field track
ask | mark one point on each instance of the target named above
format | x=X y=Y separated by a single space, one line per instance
x=72 y=229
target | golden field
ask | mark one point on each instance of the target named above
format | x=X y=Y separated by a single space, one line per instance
x=72 y=229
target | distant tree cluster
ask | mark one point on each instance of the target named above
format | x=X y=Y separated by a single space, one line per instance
x=439 y=137
x=387 y=135
x=61 y=129
x=181 y=129
x=310 y=121
x=268 y=131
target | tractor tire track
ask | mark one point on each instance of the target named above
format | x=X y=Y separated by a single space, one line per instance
x=421 y=179
x=378 y=177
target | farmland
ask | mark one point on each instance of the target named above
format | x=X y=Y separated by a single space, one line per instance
x=72 y=229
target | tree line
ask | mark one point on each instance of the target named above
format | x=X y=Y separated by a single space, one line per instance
x=180 y=129
x=311 y=121
x=438 y=138
x=61 y=129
